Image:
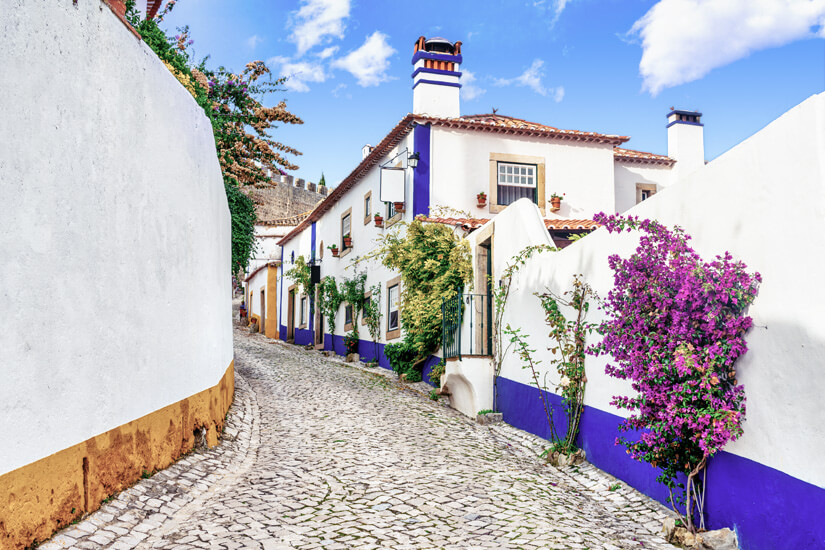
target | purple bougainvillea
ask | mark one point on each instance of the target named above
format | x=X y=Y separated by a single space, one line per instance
x=675 y=326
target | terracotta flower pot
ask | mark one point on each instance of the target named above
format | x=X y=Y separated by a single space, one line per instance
x=399 y=207
x=334 y=252
x=347 y=242
x=379 y=222
x=555 y=203
x=482 y=203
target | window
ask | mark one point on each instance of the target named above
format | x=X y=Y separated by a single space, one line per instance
x=348 y=316
x=346 y=231
x=303 y=311
x=516 y=181
x=644 y=191
x=368 y=208
x=392 y=308
x=514 y=177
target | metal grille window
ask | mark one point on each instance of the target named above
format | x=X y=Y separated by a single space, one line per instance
x=392 y=308
x=516 y=181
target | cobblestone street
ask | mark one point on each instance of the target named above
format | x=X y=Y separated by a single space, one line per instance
x=318 y=453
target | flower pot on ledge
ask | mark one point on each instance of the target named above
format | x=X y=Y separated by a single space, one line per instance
x=379 y=221
x=481 y=199
x=555 y=204
x=482 y=204
x=399 y=207
x=334 y=252
x=347 y=242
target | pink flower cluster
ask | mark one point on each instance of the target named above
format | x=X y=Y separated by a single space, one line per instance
x=675 y=327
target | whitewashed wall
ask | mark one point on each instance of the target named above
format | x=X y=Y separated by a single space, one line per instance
x=114 y=235
x=460 y=169
x=364 y=240
x=764 y=201
x=628 y=174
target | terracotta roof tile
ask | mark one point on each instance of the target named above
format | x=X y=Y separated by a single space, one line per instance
x=512 y=125
x=485 y=123
x=549 y=223
x=630 y=155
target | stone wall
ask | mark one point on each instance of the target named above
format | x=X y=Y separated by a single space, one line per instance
x=289 y=196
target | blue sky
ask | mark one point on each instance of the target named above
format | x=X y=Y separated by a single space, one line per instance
x=597 y=65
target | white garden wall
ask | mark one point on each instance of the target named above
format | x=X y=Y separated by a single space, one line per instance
x=114 y=232
x=764 y=201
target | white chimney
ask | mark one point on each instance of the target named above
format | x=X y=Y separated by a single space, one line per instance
x=366 y=150
x=685 y=141
x=435 y=77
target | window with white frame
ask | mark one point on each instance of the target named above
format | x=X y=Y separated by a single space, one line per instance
x=303 y=310
x=367 y=207
x=516 y=181
x=392 y=307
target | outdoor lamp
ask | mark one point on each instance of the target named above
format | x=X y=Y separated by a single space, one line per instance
x=412 y=160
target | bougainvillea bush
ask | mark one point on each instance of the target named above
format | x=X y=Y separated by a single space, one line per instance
x=675 y=326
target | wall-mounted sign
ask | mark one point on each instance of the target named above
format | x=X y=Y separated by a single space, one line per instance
x=392 y=184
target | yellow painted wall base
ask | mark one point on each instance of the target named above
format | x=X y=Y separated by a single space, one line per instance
x=271 y=325
x=44 y=496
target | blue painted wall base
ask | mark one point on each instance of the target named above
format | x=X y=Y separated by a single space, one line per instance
x=767 y=508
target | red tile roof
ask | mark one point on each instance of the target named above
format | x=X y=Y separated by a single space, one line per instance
x=485 y=123
x=517 y=126
x=557 y=224
x=629 y=155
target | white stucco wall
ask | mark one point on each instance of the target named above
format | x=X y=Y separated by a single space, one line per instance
x=627 y=174
x=764 y=201
x=114 y=235
x=266 y=245
x=460 y=168
x=364 y=240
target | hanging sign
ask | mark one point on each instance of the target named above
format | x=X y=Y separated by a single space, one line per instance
x=392 y=184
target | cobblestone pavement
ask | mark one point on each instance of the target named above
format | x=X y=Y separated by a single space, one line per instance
x=322 y=454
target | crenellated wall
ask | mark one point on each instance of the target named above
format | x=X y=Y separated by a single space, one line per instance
x=115 y=325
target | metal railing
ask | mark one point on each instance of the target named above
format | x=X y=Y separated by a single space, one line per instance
x=466 y=325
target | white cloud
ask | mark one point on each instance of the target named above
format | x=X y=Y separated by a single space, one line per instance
x=469 y=90
x=298 y=74
x=530 y=78
x=369 y=63
x=556 y=7
x=327 y=52
x=558 y=94
x=318 y=21
x=253 y=41
x=683 y=40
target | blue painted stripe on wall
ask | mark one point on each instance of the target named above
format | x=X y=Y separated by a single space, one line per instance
x=421 y=174
x=436 y=82
x=436 y=71
x=311 y=300
x=768 y=508
x=438 y=56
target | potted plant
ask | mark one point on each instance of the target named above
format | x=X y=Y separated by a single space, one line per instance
x=399 y=206
x=334 y=249
x=482 y=199
x=347 y=241
x=379 y=220
x=555 y=202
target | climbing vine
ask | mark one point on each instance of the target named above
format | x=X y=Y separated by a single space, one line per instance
x=300 y=273
x=241 y=124
x=372 y=315
x=329 y=300
x=352 y=292
x=675 y=326
x=502 y=343
x=568 y=349
x=434 y=264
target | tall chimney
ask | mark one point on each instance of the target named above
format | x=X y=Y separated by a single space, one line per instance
x=435 y=77
x=685 y=141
